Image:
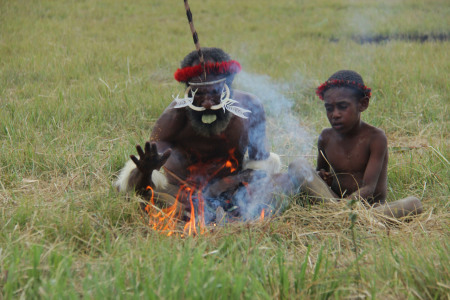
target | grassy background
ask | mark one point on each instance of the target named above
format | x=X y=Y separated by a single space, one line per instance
x=82 y=82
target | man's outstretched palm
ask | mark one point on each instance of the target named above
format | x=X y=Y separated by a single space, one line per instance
x=149 y=159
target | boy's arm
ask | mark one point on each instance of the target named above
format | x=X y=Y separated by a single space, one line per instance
x=378 y=151
x=322 y=163
x=323 y=168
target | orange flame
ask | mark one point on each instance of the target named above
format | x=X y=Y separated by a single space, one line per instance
x=261 y=218
x=166 y=219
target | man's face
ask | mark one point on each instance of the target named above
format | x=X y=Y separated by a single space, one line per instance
x=343 y=109
x=209 y=121
x=208 y=95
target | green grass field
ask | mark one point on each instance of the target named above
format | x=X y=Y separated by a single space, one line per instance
x=82 y=82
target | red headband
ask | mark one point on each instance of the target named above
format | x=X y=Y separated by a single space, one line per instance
x=218 y=68
x=342 y=83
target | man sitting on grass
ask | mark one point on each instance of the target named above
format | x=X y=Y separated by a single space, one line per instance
x=353 y=155
x=209 y=148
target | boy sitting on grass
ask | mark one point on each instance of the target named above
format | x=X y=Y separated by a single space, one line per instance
x=353 y=155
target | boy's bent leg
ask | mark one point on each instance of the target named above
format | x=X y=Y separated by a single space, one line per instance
x=304 y=176
x=408 y=206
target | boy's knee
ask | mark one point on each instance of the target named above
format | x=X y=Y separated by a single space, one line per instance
x=413 y=205
x=300 y=171
x=409 y=206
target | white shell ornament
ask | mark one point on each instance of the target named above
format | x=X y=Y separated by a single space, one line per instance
x=187 y=101
x=225 y=102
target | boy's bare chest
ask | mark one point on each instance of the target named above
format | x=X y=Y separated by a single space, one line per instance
x=350 y=156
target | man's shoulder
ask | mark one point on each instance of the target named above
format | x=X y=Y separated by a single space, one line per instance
x=242 y=96
x=171 y=108
x=173 y=114
x=250 y=102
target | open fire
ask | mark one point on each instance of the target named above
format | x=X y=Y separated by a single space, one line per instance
x=186 y=216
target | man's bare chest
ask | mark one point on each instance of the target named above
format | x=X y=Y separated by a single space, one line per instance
x=207 y=147
x=233 y=140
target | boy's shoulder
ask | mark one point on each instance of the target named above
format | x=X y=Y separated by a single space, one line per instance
x=374 y=138
x=367 y=132
x=373 y=132
x=326 y=133
x=325 y=136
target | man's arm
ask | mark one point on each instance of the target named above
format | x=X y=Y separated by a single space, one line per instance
x=372 y=173
x=138 y=173
x=167 y=127
x=259 y=155
x=258 y=148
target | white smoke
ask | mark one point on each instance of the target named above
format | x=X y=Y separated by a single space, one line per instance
x=288 y=138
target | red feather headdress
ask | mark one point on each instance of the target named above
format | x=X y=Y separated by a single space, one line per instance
x=341 y=83
x=218 y=68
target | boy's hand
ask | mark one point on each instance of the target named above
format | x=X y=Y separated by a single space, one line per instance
x=326 y=176
x=150 y=159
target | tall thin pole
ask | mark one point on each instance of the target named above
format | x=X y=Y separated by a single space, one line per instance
x=195 y=36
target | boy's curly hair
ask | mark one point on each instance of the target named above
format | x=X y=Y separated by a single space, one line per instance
x=345 y=78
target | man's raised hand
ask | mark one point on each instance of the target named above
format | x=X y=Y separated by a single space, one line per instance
x=150 y=159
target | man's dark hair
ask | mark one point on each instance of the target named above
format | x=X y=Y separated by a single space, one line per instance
x=209 y=54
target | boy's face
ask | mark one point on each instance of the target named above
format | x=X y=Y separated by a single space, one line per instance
x=343 y=108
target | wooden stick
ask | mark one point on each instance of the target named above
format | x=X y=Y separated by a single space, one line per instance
x=195 y=36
